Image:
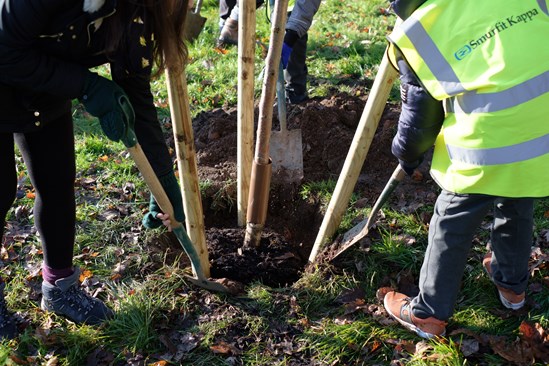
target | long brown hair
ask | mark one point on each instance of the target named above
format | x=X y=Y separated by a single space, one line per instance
x=164 y=20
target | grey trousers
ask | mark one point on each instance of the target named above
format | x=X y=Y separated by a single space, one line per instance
x=455 y=220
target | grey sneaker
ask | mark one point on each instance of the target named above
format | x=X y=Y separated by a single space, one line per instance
x=7 y=324
x=229 y=33
x=66 y=298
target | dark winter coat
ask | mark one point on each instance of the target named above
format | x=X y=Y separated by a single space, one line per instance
x=46 y=48
x=421 y=116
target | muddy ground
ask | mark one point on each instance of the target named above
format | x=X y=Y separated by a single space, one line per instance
x=328 y=126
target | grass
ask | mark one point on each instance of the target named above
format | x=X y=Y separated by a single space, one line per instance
x=160 y=320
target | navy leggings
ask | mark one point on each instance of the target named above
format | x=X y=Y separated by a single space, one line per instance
x=50 y=162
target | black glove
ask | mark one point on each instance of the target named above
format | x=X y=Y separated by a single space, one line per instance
x=107 y=101
x=173 y=191
x=410 y=167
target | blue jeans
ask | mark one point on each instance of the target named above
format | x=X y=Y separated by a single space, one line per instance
x=455 y=219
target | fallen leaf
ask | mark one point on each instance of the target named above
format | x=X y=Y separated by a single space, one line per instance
x=350 y=296
x=469 y=347
x=158 y=363
x=17 y=360
x=222 y=348
x=221 y=50
x=382 y=291
x=52 y=361
x=85 y=274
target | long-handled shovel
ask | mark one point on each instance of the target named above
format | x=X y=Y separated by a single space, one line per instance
x=261 y=168
x=286 y=145
x=362 y=228
x=194 y=23
x=137 y=154
x=177 y=228
x=357 y=153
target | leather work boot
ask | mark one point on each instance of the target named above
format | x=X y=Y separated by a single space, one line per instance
x=67 y=299
x=8 y=329
x=398 y=306
x=508 y=298
x=229 y=33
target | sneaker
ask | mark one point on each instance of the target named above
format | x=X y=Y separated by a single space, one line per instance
x=398 y=306
x=508 y=297
x=8 y=329
x=67 y=299
x=229 y=33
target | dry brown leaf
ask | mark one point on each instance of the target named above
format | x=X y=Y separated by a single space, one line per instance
x=221 y=50
x=351 y=296
x=222 y=348
x=85 y=274
x=17 y=360
x=158 y=363
x=52 y=361
x=382 y=291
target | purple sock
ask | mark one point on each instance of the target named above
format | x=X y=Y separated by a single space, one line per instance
x=51 y=275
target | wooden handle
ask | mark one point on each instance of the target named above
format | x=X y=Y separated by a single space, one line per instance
x=186 y=163
x=357 y=153
x=245 y=118
x=152 y=181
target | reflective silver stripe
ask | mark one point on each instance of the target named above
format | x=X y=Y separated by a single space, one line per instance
x=473 y=102
x=470 y=101
x=543 y=6
x=501 y=155
x=432 y=57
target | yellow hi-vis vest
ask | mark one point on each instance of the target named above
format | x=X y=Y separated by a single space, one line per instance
x=488 y=61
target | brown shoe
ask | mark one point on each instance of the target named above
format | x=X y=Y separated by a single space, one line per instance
x=229 y=33
x=398 y=306
x=508 y=298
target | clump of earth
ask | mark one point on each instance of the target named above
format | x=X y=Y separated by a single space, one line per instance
x=327 y=125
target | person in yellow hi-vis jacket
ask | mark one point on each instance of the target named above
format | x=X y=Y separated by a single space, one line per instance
x=475 y=83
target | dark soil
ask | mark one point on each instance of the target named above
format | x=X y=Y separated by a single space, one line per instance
x=328 y=126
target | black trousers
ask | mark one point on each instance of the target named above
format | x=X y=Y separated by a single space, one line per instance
x=50 y=162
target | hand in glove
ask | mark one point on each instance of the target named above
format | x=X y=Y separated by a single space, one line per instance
x=285 y=57
x=151 y=219
x=410 y=167
x=107 y=101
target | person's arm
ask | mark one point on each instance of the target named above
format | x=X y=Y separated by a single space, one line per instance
x=405 y=8
x=298 y=24
x=420 y=120
x=147 y=127
x=22 y=64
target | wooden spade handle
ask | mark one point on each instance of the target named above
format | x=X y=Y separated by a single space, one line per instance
x=357 y=154
x=152 y=181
